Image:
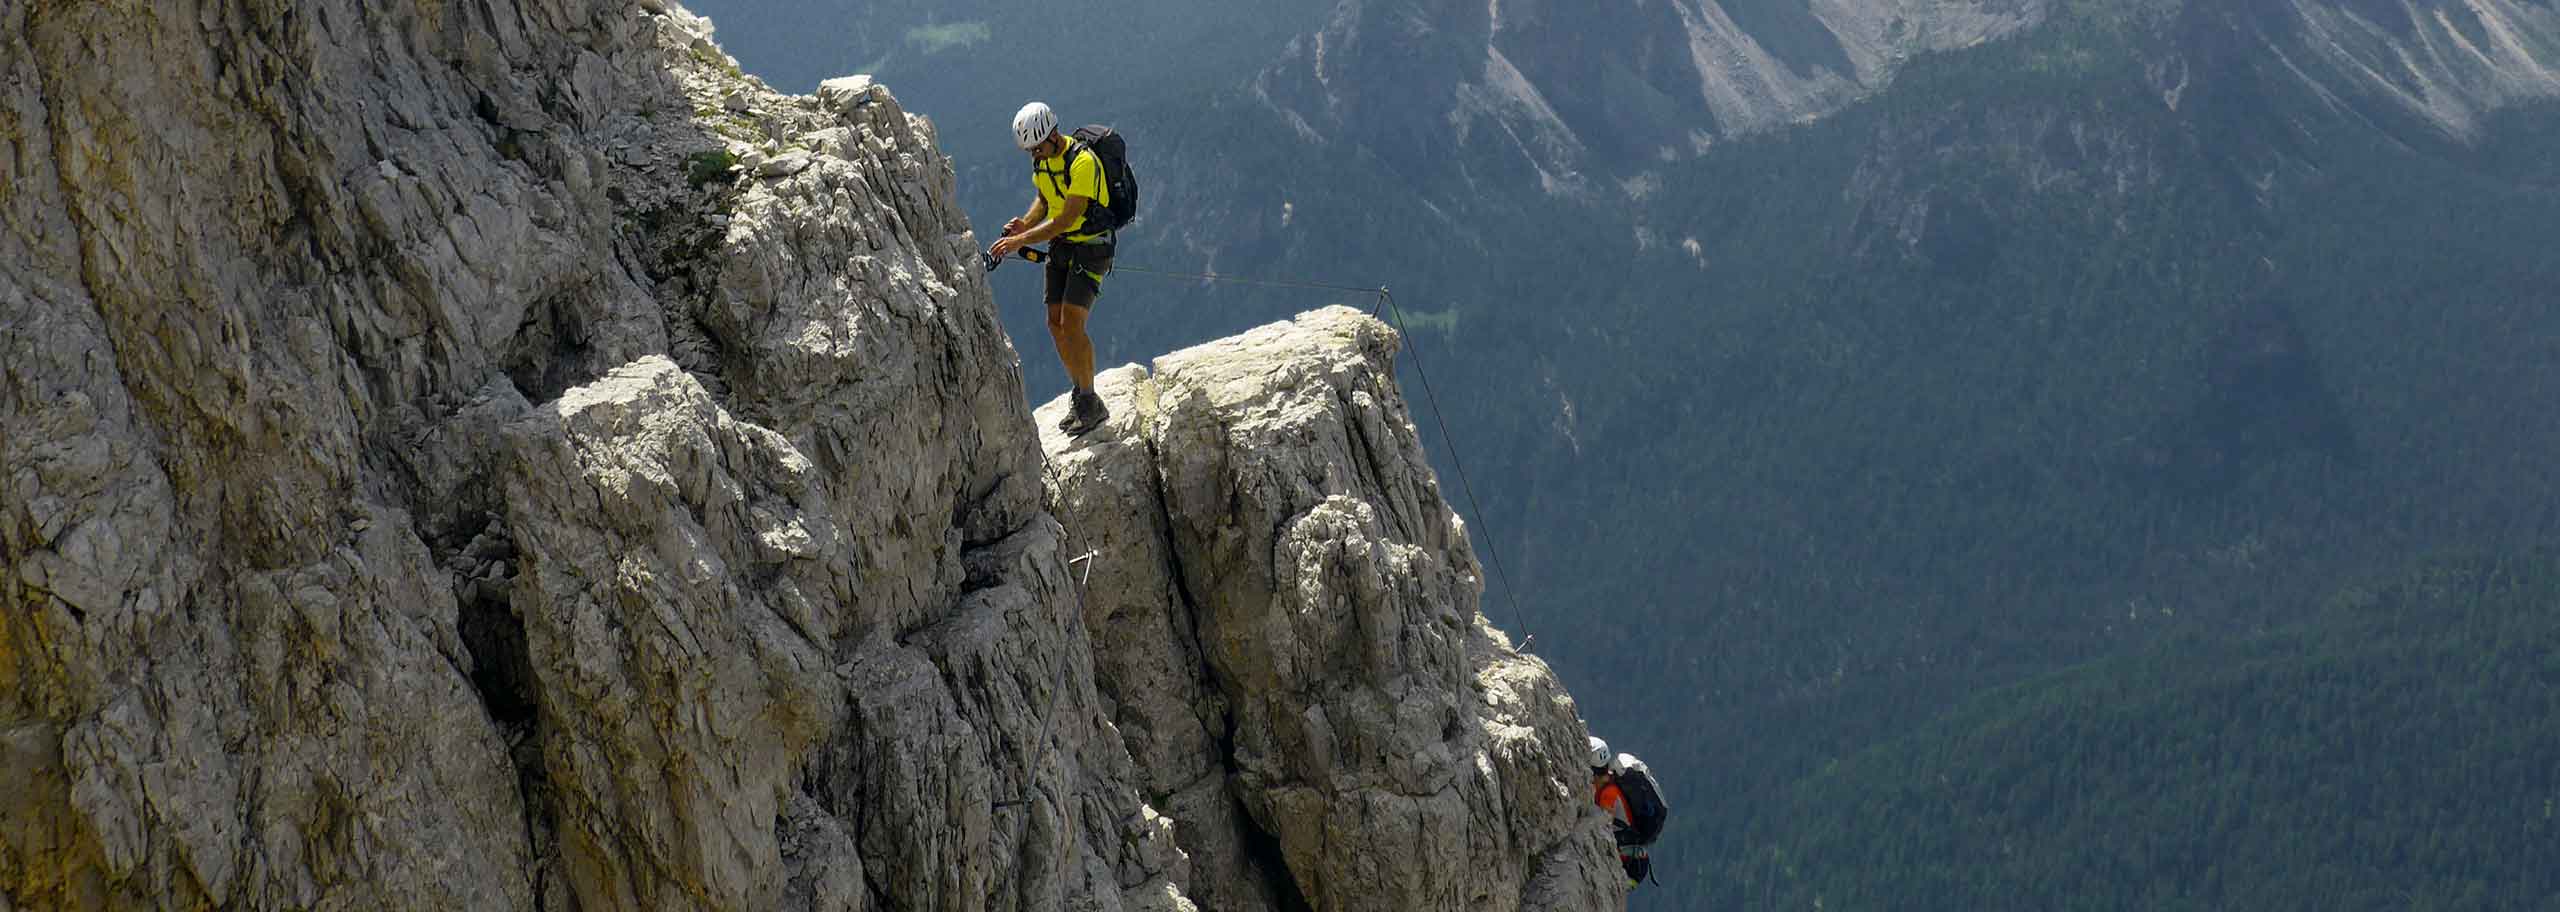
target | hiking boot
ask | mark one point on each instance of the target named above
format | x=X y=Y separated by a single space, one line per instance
x=1084 y=413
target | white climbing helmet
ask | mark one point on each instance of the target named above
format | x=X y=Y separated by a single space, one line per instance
x=1033 y=124
x=1601 y=758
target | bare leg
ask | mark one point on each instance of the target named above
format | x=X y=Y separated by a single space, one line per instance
x=1058 y=336
x=1075 y=349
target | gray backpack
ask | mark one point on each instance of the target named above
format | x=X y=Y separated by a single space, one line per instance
x=1646 y=810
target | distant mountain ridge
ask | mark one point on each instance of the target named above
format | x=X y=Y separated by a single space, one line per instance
x=1906 y=368
x=2451 y=63
x=1571 y=98
x=1577 y=87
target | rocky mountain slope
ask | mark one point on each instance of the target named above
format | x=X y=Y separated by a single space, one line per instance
x=501 y=457
x=2450 y=65
x=1262 y=509
x=1569 y=88
x=1490 y=112
x=2133 y=323
x=1577 y=93
x=2147 y=320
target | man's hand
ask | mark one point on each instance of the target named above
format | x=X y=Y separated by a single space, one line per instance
x=1005 y=246
x=1014 y=227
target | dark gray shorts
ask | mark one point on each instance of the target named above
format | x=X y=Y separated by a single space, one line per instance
x=1075 y=274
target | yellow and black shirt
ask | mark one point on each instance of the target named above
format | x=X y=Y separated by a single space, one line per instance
x=1057 y=178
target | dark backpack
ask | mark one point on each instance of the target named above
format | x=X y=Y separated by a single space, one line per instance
x=1123 y=183
x=1646 y=811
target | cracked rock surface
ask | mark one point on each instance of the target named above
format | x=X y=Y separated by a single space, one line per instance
x=1286 y=613
x=440 y=473
x=498 y=456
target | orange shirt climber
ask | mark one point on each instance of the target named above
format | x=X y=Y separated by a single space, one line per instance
x=1604 y=783
x=1608 y=797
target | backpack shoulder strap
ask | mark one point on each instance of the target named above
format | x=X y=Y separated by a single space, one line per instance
x=1065 y=174
x=1098 y=218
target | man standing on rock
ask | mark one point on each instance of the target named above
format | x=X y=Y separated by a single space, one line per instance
x=1069 y=178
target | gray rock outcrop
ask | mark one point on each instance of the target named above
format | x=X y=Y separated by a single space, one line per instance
x=1286 y=613
x=438 y=473
x=498 y=456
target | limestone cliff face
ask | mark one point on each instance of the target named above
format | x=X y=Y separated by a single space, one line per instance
x=1286 y=613
x=496 y=456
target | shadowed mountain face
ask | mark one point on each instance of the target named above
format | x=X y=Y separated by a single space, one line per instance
x=2264 y=397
